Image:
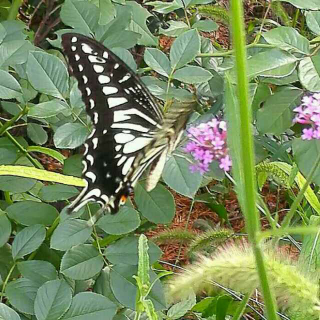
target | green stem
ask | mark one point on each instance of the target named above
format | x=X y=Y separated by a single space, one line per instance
x=6 y=281
x=242 y=306
x=247 y=154
x=13 y=11
x=9 y=123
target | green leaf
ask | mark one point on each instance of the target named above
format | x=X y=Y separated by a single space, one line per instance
x=102 y=285
x=309 y=69
x=70 y=136
x=38 y=271
x=14 y=52
x=138 y=24
x=14 y=29
x=57 y=192
x=126 y=251
x=81 y=262
x=5 y=229
x=157 y=205
x=36 y=133
x=7 y=156
x=175 y=28
x=165 y=7
x=177 y=176
x=48 y=74
x=81 y=15
x=276 y=115
x=305 y=154
x=70 y=233
x=28 y=240
x=47 y=109
x=123 y=39
x=158 y=61
x=305 y=4
x=50 y=152
x=16 y=184
x=21 y=293
x=192 y=75
x=9 y=86
x=91 y=306
x=313 y=21
x=125 y=221
x=184 y=49
x=7 y=313
x=205 y=25
x=124 y=287
x=53 y=300
x=29 y=213
x=143 y=266
x=268 y=60
x=287 y=38
x=179 y=309
x=73 y=166
x=126 y=57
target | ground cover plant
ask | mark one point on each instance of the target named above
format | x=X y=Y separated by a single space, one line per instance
x=254 y=133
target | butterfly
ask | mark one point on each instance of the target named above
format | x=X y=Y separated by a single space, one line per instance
x=130 y=131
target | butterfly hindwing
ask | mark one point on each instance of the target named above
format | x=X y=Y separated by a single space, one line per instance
x=125 y=119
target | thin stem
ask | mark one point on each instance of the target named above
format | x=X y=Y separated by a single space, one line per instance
x=6 y=281
x=247 y=154
x=9 y=123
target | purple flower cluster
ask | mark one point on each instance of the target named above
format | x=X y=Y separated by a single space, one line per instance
x=309 y=113
x=208 y=143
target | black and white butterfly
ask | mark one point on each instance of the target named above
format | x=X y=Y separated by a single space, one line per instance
x=129 y=129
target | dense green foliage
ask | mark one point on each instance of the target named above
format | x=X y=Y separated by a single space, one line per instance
x=55 y=266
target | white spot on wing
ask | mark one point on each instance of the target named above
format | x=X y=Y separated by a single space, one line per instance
x=85 y=79
x=95 y=117
x=109 y=90
x=136 y=144
x=95 y=142
x=123 y=137
x=103 y=79
x=117 y=148
x=73 y=48
x=96 y=59
x=92 y=133
x=116 y=66
x=91 y=176
x=91 y=101
x=89 y=157
x=122 y=160
x=93 y=193
x=125 y=78
x=113 y=102
x=74 y=39
x=86 y=48
x=97 y=68
x=105 y=198
x=132 y=126
x=88 y=91
x=105 y=54
x=77 y=57
x=104 y=131
x=127 y=166
x=85 y=166
x=86 y=149
x=120 y=116
x=80 y=67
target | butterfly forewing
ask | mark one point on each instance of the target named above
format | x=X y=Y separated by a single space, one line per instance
x=125 y=120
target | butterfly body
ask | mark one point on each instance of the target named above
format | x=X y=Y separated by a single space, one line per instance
x=129 y=129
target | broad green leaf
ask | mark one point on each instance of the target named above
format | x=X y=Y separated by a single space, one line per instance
x=192 y=75
x=47 y=109
x=69 y=233
x=57 y=192
x=158 y=61
x=184 y=49
x=125 y=221
x=276 y=115
x=306 y=153
x=268 y=60
x=9 y=86
x=21 y=294
x=73 y=166
x=5 y=229
x=305 y=4
x=29 y=93
x=29 y=213
x=313 y=21
x=281 y=72
x=36 y=133
x=157 y=205
x=102 y=284
x=7 y=156
x=53 y=300
x=47 y=74
x=138 y=24
x=124 y=287
x=90 y=306
x=205 y=25
x=175 y=28
x=309 y=73
x=123 y=39
x=70 y=136
x=287 y=38
x=81 y=262
x=82 y=15
x=126 y=251
x=14 y=52
x=107 y=11
x=38 y=271
x=165 y=7
x=6 y=313
x=14 y=30
x=16 y=184
x=177 y=176
x=28 y=240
